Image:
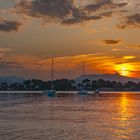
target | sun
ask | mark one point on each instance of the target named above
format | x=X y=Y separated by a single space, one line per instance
x=124 y=69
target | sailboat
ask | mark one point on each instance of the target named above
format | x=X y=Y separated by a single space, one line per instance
x=82 y=90
x=51 y=92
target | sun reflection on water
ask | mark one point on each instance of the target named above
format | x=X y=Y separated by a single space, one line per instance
x=124 y=124
x=124 y=110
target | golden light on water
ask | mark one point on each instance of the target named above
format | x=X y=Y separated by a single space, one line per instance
x=124 y=118
x=124 y=108
x=124 y=69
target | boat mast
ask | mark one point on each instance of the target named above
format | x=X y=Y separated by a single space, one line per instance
x=52 y=72
x=83 y=69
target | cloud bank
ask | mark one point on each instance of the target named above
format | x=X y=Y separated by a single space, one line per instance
x=67 y=11
x=130 y=21
x=101 y=63
x=70 y=12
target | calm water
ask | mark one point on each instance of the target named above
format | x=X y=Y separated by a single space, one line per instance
x=113 y=116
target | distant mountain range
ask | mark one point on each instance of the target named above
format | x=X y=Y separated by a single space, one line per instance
x=111 y=77
x=11 y=79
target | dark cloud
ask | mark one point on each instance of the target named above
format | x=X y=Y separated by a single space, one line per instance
x=9 y=65
x=80 y=19
x=112 y=42
x=130 y=21
x=107 y=14
x=66 y=11
x=104 y=5
x=49 y=10
x=8 y=26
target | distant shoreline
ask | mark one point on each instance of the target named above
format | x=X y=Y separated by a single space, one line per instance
x=62 y=92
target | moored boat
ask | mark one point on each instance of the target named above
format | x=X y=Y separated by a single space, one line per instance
x=51 y=92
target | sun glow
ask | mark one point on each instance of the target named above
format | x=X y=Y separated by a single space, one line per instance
x=124 y=69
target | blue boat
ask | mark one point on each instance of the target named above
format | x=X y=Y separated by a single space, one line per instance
x=82 y=92
x=51 y=93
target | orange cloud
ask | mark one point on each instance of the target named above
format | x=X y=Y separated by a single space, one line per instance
x=129 y=57
x=137 y=46
x=71 y=66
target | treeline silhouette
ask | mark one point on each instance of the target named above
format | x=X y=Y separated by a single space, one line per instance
x=66 y=84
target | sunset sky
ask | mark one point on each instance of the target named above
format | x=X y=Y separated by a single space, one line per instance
x=103 y=33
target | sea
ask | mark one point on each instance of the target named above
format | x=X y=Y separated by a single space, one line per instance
x=69 y=116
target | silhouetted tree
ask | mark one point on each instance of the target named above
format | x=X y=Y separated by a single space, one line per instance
x=65 y=84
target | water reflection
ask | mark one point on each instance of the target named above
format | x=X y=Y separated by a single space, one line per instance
x=125 y=130
x=124 y=108
x=70 y=116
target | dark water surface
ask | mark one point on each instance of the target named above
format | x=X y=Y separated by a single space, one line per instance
x=109 y=116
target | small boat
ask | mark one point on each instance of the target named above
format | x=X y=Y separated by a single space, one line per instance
x=51 y=92
x=82 y=92
x=97 y=91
